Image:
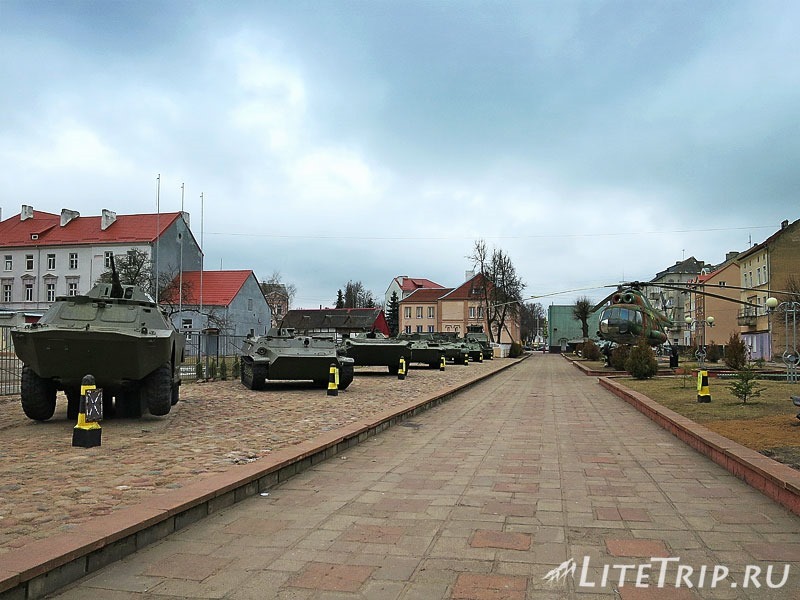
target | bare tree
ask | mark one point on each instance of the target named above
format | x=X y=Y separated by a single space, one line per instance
x=355 y=296
x=135 y=267
x=532 y=321
x=581 y=311
x=501 y=288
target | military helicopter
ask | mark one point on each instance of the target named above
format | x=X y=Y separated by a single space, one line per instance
x=629 y=315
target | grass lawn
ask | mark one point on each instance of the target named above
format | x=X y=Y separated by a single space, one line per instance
x=767 y=423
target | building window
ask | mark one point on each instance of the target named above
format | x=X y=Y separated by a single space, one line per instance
x=431 y=328
x=431 y=312
x=7 y=292
x=51 y=262
x=187 y=325
x=419 y=328
x=9 y=262
x=72 y=288
x=471 y=312
x=279 y=310
x=107 y=256
x=29 y=262
x=73 y=260
x=28 y=292
x=407 y=313
x=408 y=329
x=419 y=312
x=51 y=292
x=249 y=304
x=480 y=312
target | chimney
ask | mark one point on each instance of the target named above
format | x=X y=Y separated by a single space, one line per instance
x=26 y=213
x=731 y=255
x=68 y=215
x=107 y=218
x=784 y=223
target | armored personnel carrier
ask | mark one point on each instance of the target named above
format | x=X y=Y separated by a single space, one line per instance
x=375 y=349
x=283 y=355
x=116 y=333
x=475 y=334
x=423 y=350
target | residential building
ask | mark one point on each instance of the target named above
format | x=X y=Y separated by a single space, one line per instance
x=452 y=310
x=670 y=301
x=767 y=269
x=420 y=312
x=44 y=255
x=338 y=321
x=403 y=285
x=228 y=301
x=278 y=299
x=721 y=302
x=564 y=331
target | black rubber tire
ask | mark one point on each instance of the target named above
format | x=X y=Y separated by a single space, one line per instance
x=157 y=391
x=73 y=395
x=38 y=395
x=345 y=376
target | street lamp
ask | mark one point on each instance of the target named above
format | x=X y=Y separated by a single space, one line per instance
x=701 y=350
x=791 y=357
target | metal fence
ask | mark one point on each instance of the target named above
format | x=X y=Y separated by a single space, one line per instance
x=200 y=345
x=10 y=365
x=205 y=346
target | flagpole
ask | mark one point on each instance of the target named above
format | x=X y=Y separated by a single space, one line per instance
x=202 y=255
x=180 y=267
x=158 y=230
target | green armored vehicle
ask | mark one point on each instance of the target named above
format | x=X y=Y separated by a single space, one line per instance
x=475 y=334
x=423 y=350
x=283 y=355
x=115 y=333
x=465 y=347
x=375 y=349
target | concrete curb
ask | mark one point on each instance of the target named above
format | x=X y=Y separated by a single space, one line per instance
x=46 y=565
x=775 y=480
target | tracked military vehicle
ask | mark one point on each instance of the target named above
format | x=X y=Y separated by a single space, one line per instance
x=116 y=333
x=281 y=354
x=375 y=349
x=475 y=334
x=423 y=350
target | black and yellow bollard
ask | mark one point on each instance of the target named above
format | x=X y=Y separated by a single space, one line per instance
x=333 y=380
x=703 y=393
x=87 y=433
x=480 y=356
x=442 y=363
x=466 y=360
x=401 y=371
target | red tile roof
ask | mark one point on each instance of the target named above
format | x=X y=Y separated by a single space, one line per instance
x=471 y=289
x=125 y=229
x=426 y=295
x=219 y=287
x=413 y=283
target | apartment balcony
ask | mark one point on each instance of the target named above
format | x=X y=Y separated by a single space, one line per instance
x=746 y=319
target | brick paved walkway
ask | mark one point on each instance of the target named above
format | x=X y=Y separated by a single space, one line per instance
x=478 y=499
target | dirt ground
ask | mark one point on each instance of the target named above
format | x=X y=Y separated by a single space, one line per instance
x=47 y=486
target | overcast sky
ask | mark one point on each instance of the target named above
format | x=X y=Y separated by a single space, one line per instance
x=593 y=142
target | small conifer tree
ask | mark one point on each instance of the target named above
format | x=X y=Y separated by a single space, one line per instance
x=591 y=351
x=212 y=369
x=735 y=352
x=223 y=370
x=641 y=363
x=745 y=384
x=198 y=370
x=235 y=370
x=619 y=356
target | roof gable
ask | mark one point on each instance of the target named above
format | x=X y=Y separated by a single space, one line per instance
x=410 y=284
x=425 y=295
x=471 y=289
x=219 y=287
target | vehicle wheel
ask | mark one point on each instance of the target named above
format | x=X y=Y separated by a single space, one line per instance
x=73 y=402
x=345 y=376
x=157 y=391
x=38 y=395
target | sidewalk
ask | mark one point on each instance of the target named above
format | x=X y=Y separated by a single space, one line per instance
x=480 y=498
